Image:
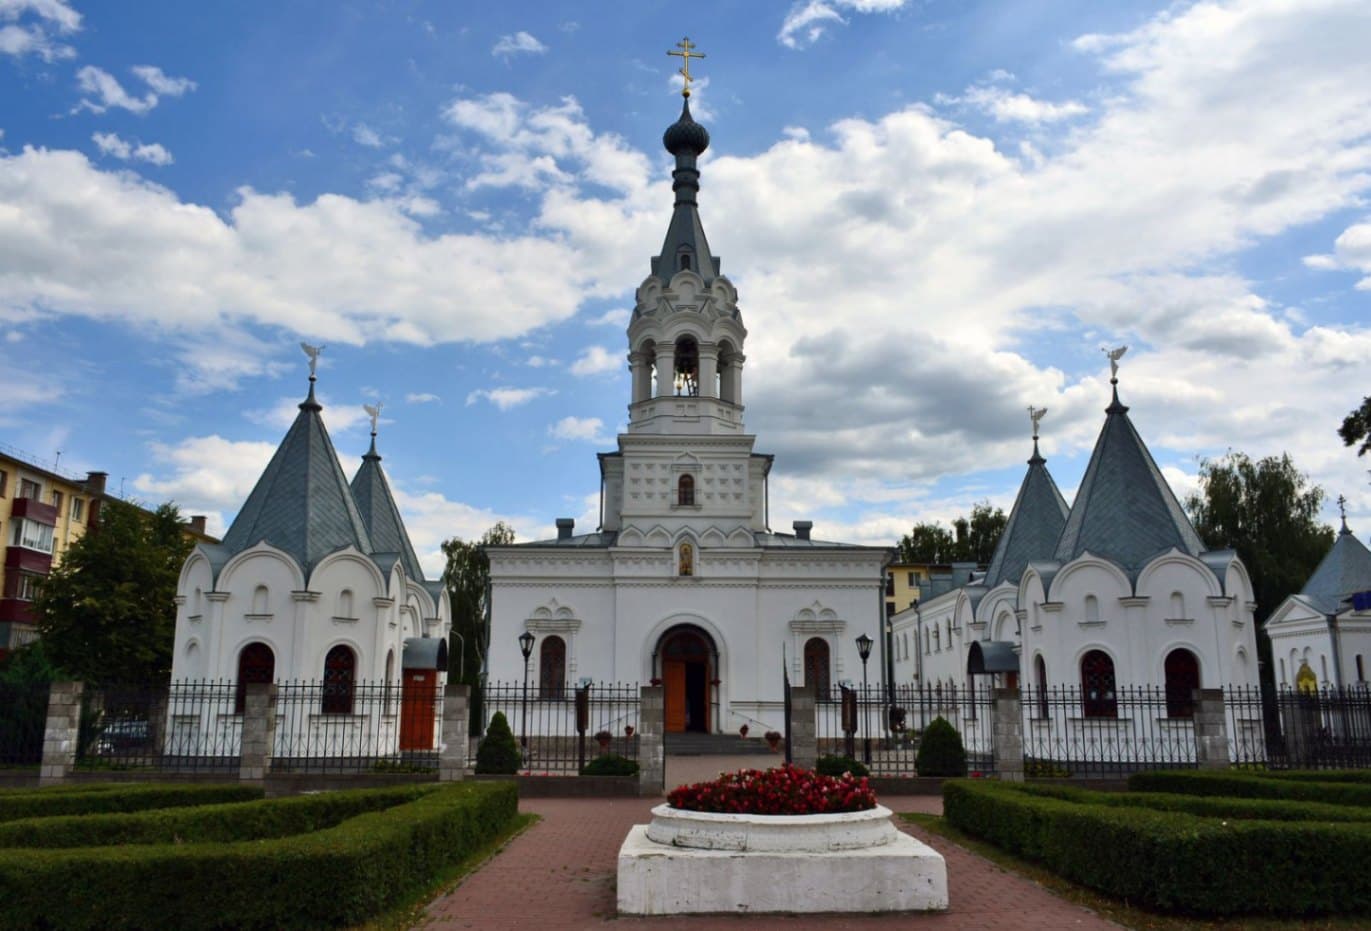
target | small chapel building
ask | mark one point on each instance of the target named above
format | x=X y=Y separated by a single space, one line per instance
x=1116 y=590
x=316 y=581
x=684 y=582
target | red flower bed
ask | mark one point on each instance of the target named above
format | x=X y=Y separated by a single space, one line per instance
x=785 y=790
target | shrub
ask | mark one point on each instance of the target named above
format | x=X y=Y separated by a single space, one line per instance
x=784 y=790
x=1261 y=809
x=333 y=878
x=1251 y=785
x=498 y=751
x=94 y=799
x=1171 y=861
x=940 y=751
x=831 y=765
x=610 y=764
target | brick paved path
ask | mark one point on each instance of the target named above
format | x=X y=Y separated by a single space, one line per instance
x=560 y=874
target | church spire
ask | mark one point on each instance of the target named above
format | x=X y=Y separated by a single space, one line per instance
x=685 y=246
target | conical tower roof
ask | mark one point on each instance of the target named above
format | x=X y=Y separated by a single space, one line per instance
x=685 y=236
x=1344 y=570
x=1034 y=526
x=1124 y=510
x=371 y=490
x=302 y=503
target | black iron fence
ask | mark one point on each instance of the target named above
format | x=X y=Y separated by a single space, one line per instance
x=560 y=730
x=1327 y=728
x=23 y=713
x=186 y=727
x=351 y=727
x=882 y=727
x=1068 y=731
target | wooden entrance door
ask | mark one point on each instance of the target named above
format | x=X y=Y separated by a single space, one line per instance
x=417 y=702
x=674 y=692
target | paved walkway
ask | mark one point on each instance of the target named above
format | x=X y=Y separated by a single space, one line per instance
x=560 y=874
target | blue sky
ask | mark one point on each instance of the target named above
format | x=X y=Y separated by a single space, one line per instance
x=935 y=213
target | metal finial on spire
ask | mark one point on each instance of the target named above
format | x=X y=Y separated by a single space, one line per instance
x=1342 y=512
x=1035 y=414
x=313 y=353
x=685 y=53
x=1114 y=356
x=374 y=412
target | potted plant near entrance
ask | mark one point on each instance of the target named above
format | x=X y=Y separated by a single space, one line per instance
x=773 y=740
x=603 y=737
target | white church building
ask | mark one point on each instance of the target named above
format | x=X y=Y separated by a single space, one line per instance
x=684 y=582
x=1117 y=590
x=315 y=582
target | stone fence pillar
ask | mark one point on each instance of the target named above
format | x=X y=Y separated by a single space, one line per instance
x=651 y=740
x=259 y=733
x=61 y=732
x=1008 y=735
x=452 y=757
x=804 y=742
x=1211 y=729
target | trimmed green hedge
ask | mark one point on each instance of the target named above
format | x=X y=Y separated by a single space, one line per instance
x=1320 y=775
x=1205 y=806
x=1174 y=862
x=610 y=764
x=96 y=799
x=1250 y=785
x=332 y=878
x=834 y=765
x=235 y=821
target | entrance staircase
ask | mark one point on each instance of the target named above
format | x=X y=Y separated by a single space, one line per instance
x=692 y=743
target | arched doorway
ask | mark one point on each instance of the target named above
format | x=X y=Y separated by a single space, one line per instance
x=1182 y=670
x=687 y=656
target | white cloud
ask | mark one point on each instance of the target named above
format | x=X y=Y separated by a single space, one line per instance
x=205 y=475
x=1351 y=250
x=596 y=360
x=1007 y=107
x=339 y=418
x=618 y=317
x=579 y=429
x=538 y=362
x=111 y=144
x=362 y=134
x=505 y=398
x=807 y=20
x=110 y=93
x=423 y=397
x=521 y=43
x=31 y=27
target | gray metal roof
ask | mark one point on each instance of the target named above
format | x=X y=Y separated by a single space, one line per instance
x=989 y=656
x=1034 y=526
x=302 y=503
x=685 y=139
x=1124 y=511
x=425 y=653
x=592 y=540
x=382 y=518
x=1344 y=570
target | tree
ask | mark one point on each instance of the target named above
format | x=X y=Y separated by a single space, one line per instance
x=970 y=540
x=467 y=577
x=1356 y=427
x=1268 y=512
x=107 y=613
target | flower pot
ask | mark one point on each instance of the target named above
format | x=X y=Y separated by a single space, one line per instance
x=774 y=743
x=742 y=731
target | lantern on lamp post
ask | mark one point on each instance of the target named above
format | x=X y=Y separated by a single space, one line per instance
x=864 y=651
x=526 y=648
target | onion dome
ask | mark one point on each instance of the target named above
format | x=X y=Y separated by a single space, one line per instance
x=685 y=136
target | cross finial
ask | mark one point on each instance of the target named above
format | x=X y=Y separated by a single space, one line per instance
x=685 y=54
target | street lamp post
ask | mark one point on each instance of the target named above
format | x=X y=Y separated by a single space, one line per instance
x=526 y=648
x=864 y=651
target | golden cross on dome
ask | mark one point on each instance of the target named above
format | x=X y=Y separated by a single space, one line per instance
x=685 y=53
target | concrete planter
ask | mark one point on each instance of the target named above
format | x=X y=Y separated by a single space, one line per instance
x=692 y=862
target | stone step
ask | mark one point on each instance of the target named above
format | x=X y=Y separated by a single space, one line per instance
x=696 y=744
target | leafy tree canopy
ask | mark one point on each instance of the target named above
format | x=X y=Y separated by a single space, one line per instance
x=1268 y=512
x=107 y=612
x=467 y=577
x=1356 y=427
x=971 y=539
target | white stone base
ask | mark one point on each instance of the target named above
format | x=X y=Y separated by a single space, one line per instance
x=900 y=875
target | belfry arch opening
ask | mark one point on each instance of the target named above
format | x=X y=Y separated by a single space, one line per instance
x=687 y=661
x=728 y=373
x=687 y=367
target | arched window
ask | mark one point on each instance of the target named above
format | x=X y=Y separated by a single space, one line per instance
x=196 y=609
x=937 y=641
x=1182 y=678
x=1040 y=674
x=1282 y=662
x=1177 y=606
x=552 y=669
x=817 y=667
x=345 y=606
x=905 y=644
x=687 y=367
x=685 y=491
x=340 y=678
x=926 y=650
x=1092 y=609
x=261 y=600
x=727 y=373
x=685 y=260
x=256 y=665
x=1361 y=672
x=686 y=566
x=1097 y=686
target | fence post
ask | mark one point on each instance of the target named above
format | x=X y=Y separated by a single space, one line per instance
x=259 y=732
x=1211 y=729
x=1007 y=736
x=452 y=758
x=61 y=731
x=651 y=740
x=804 y=743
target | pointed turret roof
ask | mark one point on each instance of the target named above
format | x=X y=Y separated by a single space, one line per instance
x=1124 y=510
x=1034 y=526
x=685 y=139
x=1344 y=570
x=380 y=515
x=302 y=503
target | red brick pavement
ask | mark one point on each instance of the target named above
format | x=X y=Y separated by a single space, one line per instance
x=560 y=874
